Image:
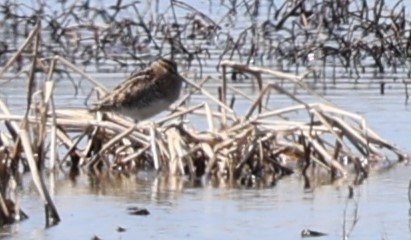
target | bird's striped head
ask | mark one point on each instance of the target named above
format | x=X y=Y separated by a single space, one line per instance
x=167 y=64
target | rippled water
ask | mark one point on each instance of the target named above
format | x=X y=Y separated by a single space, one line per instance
x=180 y=209
x=183 y=212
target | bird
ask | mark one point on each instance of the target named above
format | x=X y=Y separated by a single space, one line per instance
x=145 y=93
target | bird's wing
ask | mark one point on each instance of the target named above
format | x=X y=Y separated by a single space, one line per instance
x=130 y=88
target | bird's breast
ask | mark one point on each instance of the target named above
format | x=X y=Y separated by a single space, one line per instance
x=144 y=112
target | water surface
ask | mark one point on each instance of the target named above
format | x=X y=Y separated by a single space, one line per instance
x=180 y=209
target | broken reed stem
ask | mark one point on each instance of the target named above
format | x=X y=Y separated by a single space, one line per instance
x=257 y=101
x=136 y=154
x=206 y=93
x=53 y=137
x=81 y=72
x=31 y=78
x=244 y=95
x=4 y=209
x=260 y=88
x=70 y=145
x=329 y=127
x=48 y=101
x=33 y=34
x=153 y=145
x=41 y=129
x=182 y=100
x=209 y=117
x=178 y=114
x=258 y=70
x=7 y=113
x=224 y=97
x=53 y=217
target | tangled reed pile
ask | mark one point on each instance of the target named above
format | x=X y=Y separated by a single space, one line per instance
x=258 y=146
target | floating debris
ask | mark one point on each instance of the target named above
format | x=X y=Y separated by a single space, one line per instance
x=121 y=229
x=138 y=211
x=95 y=237
x=310 y=233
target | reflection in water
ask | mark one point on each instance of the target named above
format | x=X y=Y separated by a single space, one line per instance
x=97 y=204
x=110 y=183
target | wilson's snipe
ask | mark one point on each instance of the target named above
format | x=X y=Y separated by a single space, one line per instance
x=146 y=93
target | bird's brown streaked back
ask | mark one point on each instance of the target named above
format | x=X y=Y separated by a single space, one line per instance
x=146 y=93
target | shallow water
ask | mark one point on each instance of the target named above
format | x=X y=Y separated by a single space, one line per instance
x=184 y=210
x=180 y=209
x=178 y=212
